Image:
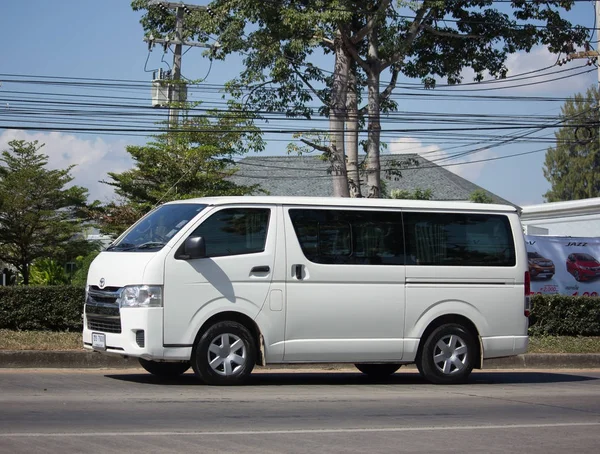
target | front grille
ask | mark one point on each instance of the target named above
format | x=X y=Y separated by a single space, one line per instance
x=104 y=324
x=102 y=309
x=108 y=295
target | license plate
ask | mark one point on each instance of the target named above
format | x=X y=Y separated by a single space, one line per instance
x=99 y=341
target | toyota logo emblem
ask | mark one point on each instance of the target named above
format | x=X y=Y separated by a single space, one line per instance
x=102 y=283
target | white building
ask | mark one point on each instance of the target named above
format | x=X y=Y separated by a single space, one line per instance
x=578 y=218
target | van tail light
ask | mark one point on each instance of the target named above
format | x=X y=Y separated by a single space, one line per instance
x=527 y=294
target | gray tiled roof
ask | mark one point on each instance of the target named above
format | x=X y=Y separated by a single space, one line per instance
x=308 y=176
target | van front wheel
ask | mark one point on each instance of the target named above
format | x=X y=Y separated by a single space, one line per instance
x=448 y=355
x=225 y=354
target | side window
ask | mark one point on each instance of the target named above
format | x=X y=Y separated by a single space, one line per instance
x=458 y=239
x=349 y=237
x=235 y=231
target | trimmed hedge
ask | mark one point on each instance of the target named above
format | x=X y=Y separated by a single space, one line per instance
x=560 y=315
x=59 y=308
x=42 y=308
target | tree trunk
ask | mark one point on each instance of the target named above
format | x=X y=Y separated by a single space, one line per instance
x=352 y=134
x=25 y=272
x=337 y=118
x=374 y=129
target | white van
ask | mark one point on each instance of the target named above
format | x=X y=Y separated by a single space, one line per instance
x=222 y=284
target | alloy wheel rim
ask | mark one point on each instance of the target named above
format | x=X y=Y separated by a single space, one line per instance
x=227 y=354
x=450 y=354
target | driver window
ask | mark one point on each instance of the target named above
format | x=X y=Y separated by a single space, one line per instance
x=235 y=231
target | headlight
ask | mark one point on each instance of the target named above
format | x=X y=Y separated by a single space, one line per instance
x=141 y=296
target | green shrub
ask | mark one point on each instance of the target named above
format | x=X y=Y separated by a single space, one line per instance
x=48 y=308
x=559 y=315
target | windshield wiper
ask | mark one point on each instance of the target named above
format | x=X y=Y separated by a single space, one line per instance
x=120 y=246
x=150 y=245
x=124 y=247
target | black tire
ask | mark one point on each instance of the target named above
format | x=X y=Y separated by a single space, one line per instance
x=448 y=355
x=165 y=370
x=378 y=370
x=577 y=276
x=225 y=354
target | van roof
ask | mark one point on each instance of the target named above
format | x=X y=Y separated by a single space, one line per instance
x=350 y=202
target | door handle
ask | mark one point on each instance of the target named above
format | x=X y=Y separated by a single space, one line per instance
x=260 y=269
x=298 y=271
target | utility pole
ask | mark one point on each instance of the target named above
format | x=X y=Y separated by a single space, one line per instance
x=177 y=89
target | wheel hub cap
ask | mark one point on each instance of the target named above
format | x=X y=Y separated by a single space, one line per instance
x=227 y=354
x=450 y=354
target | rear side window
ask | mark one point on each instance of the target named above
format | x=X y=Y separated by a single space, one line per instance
x=349 y=237
x=458 y=239
x=235 y=231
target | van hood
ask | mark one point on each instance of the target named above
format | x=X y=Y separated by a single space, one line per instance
x=118 y=269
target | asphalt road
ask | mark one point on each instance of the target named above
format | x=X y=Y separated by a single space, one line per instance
x=101 y=411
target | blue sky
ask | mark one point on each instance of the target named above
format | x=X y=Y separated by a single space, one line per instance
x=103 y=39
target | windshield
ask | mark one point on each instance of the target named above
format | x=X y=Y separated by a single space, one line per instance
x=534 y=255
x=585 y=257
x=155 y=229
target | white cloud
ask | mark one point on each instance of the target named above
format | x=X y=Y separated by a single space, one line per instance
x=92 y=158
x=465 y=166
x=529 y=64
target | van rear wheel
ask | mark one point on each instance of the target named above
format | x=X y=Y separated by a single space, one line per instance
x=378 y=370
x=163 y=369
x=225 y=354
x=448 y=355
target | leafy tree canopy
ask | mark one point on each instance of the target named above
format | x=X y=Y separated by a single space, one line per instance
x=572 y=167
x=417 y=194
x=279 y=41
x=38 y=209
x=193 y=161
x=480 y=196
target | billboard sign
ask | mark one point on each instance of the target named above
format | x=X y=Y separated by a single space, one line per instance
x=565 y=265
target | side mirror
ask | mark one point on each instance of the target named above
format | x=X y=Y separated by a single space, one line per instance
x=193 y=248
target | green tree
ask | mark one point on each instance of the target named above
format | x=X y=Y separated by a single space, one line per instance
x=193 y=161
x=572 y=167
x=83 y=263
x=425 y=39
x=417 y=194
x=38 y=212
x=480 y=196
x=46 y=271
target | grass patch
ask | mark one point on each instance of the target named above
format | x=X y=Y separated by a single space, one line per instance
x=39 y=340
x=49 y=340
x=563 y=344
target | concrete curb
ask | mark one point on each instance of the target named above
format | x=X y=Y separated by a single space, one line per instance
x=91 y=360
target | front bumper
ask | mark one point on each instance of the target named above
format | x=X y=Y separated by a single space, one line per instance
x=137 y=324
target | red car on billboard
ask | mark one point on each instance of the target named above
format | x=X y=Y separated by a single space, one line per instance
x=583 y=266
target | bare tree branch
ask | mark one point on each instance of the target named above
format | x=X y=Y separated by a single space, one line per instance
x=308 y=84
x=362 y=33
x=254 y=88
x=316 y=146
x=437 y=32
x=351 y=48
x=326 y=42
x=385 y=94
x=422 y=16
